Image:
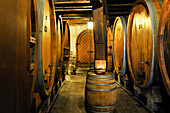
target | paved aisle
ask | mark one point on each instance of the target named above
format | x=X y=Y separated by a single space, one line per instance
x=71 y=98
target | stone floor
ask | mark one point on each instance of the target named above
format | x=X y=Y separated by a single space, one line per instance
x=71 y=98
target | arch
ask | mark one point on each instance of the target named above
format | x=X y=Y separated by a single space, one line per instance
x=85 y=52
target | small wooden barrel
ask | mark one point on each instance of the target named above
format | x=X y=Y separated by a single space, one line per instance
x=100 y=94
x=15 y=77
x=47 y=48
x=142 y=41
x=163 y=42
x=33 y=45
x=66 y=47
x=109 y=49
x=119 y=42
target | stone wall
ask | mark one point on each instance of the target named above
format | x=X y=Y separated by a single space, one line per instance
x=75 y=30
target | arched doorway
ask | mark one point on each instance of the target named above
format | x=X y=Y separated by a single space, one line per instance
x=85 y=49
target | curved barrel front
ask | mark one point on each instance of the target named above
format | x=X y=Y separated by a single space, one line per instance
x=47 y=48
x=142 y=41
x=163 y=42
x=119 y=42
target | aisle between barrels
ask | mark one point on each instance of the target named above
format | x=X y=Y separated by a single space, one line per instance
x=72 y=95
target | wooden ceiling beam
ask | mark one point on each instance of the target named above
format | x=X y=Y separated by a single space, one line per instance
x=76 y=15
x=113 y=13
x=76 y=18
x=73 y=12
x=72 y=2
x=120 y=5
x=73 y=9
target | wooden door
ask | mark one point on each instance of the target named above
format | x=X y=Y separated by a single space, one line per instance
x=85 y=48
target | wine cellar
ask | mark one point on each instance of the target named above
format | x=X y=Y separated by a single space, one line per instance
x=85 y=56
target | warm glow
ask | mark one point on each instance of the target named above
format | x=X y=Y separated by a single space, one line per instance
x=100 y=64
x=90 y=25
x=100 y=67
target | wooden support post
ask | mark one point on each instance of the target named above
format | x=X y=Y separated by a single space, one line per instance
x=99 y=20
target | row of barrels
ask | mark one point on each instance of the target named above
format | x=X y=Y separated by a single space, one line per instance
x=34 y=49
x=141 y=43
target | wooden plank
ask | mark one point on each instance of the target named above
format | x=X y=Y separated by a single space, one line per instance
x=76 y=15
x=120 y=5
x=32 y=39
x=72 y=2
x=73 y=12
x=74 y=7
x=110 y=13
x=32 y=66
x=76 y=18
x=77 y=21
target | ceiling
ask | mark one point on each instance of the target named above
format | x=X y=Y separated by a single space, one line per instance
x=80 y=11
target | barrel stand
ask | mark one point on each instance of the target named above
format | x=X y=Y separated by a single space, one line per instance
x=152 y=95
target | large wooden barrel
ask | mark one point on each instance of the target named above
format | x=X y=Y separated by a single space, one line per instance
x=15 y=78
x=142 y=41
x=59 y=48
x=47 y=48
x=33 y=45
x=66 y=47
x=119 y=42
x=163 y=45
x=100 y=94
x=109 y=49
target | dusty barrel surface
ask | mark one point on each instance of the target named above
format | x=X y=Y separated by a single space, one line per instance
x=100 y=93
x=142 y=34
x=47 y=48
x=15 y=79
x=119 y=42
x=163 y=44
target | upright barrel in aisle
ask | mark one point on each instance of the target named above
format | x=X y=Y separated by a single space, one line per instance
x=142 y=41
x=119 y=42
x=47 y=48
x=163 y=44
x=100 y=94
x=15 y=78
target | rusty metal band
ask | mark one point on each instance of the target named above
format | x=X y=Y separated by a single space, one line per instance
x=99 y=76
x=100 y=79
x=104 y=84
x=100 y=107
x=100 y=90
x=91 y=111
